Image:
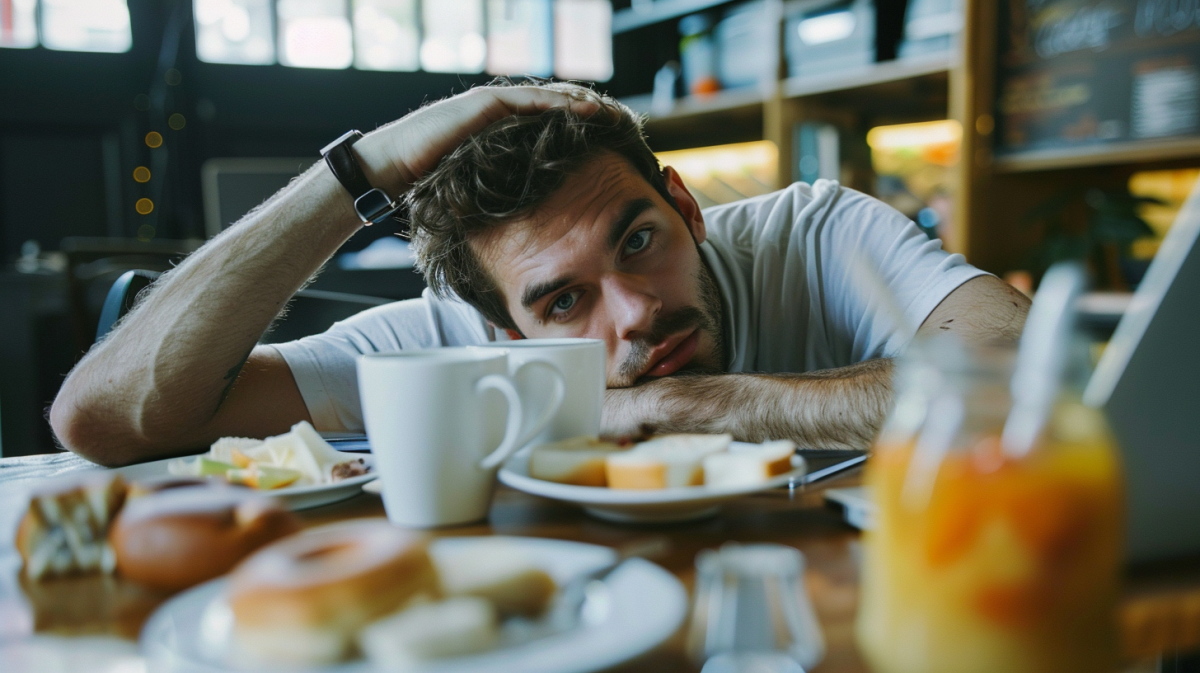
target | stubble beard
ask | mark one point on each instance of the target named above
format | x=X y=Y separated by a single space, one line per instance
x=708 y=317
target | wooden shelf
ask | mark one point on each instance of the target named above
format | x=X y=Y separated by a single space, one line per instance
x=844 y=81
x=872 y=75
x=1098 y=155
x=661 y=10
x=693 y=106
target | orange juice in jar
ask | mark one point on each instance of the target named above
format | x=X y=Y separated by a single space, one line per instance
x=982 y=561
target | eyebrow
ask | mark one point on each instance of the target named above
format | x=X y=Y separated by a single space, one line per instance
x=535 y=292
x=629 y=213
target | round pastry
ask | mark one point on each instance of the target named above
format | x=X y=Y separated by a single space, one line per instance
x=144 y=487
x=302 y=600
x=180 y=537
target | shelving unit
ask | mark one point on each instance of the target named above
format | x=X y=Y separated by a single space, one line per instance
x=1002 y=190
x=693 y=106
x=887 y=72
x=1099 y=155
x=993 y=195
x=639 y=15
x=908 y=90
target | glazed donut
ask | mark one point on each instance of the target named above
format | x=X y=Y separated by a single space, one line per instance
x=302 y=600
x=179 y=537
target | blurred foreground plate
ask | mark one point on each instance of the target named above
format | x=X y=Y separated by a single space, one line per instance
x=294 y=497
x=642 y=506
x=646 y=606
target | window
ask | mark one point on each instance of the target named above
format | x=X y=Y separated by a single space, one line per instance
x=234 y=31
x=568 y=38
x=583 y=39
x=453 y=36
x=386 y=35
x=86 y=25
x=18 y=27
x=315 y=34
x=519 y=37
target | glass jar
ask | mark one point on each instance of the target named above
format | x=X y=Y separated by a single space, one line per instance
x=984 y=561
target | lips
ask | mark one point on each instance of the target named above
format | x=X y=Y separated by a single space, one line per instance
x=673 y=354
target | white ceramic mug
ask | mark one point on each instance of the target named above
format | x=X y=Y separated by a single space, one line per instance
x=438 y=427
x=581 y=363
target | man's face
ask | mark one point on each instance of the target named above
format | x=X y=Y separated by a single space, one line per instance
x=608 y=258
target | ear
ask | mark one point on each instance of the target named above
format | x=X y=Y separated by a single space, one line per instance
x=687 y=204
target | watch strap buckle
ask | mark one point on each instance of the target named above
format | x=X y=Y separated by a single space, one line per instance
x=374 y=206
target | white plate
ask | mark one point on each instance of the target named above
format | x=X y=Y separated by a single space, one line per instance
x=639 y=506
x=648 y=605
x=294 y=497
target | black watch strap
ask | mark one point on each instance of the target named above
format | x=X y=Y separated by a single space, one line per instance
x=371 y=204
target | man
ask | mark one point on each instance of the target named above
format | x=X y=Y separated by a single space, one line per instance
x=542 y=208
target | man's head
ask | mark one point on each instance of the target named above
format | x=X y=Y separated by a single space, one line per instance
x=562 y=225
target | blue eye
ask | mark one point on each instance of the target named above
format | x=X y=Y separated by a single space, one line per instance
x=564 y=302
x=638 y=241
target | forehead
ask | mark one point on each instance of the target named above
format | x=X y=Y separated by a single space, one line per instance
x=576 y=216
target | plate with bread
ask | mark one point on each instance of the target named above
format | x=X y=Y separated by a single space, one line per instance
x=662 y=478
x=298 y=467
x=365 y=596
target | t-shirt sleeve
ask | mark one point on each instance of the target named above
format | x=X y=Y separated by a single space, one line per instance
x=325 y=366
x=861 y=235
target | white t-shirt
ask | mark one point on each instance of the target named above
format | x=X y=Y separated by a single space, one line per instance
x=788 y=266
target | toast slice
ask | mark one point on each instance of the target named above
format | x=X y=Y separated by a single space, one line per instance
x=668 y=461
x=578 y=461
x=750 y=466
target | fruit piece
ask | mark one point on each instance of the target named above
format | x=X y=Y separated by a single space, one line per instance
x=262 y=477
x=240 y=459
x=274 y=477
x=213 y=468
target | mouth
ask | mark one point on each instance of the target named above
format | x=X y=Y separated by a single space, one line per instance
x=673 y=354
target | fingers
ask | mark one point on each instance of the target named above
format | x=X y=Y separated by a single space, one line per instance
x=524 y=100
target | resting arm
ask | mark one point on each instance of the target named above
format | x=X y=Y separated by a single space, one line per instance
x=832 y=409
x=182 y=369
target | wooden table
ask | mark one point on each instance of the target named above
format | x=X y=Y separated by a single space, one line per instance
x=1156 y=614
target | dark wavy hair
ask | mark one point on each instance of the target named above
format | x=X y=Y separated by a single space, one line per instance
x=504 y=173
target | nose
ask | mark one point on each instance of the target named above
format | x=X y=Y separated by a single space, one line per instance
x=631 y=303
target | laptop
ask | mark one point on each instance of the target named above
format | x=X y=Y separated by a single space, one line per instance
x=1148 y=382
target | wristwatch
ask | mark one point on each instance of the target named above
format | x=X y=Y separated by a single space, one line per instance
x=371 y=204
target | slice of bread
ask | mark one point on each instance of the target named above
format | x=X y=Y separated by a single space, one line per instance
x=749 y=466
x=429 y=631
x=578 y=461
x=668 y=461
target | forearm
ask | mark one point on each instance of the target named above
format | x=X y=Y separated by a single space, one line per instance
x=831 y=409
x=160 y=377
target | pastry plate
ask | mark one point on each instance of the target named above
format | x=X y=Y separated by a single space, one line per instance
x=645 y=605
x=637 y=506
x=294 y=497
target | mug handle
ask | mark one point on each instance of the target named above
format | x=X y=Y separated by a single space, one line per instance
x=514 y=438
x=556 y=398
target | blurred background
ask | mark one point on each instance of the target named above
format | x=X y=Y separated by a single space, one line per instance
x=1020 y=132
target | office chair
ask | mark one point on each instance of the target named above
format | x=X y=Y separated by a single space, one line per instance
x=309 y=311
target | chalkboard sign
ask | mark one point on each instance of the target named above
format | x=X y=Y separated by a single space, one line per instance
x=1085 y=72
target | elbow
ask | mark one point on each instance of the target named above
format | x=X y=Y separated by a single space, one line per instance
x=86 y=433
